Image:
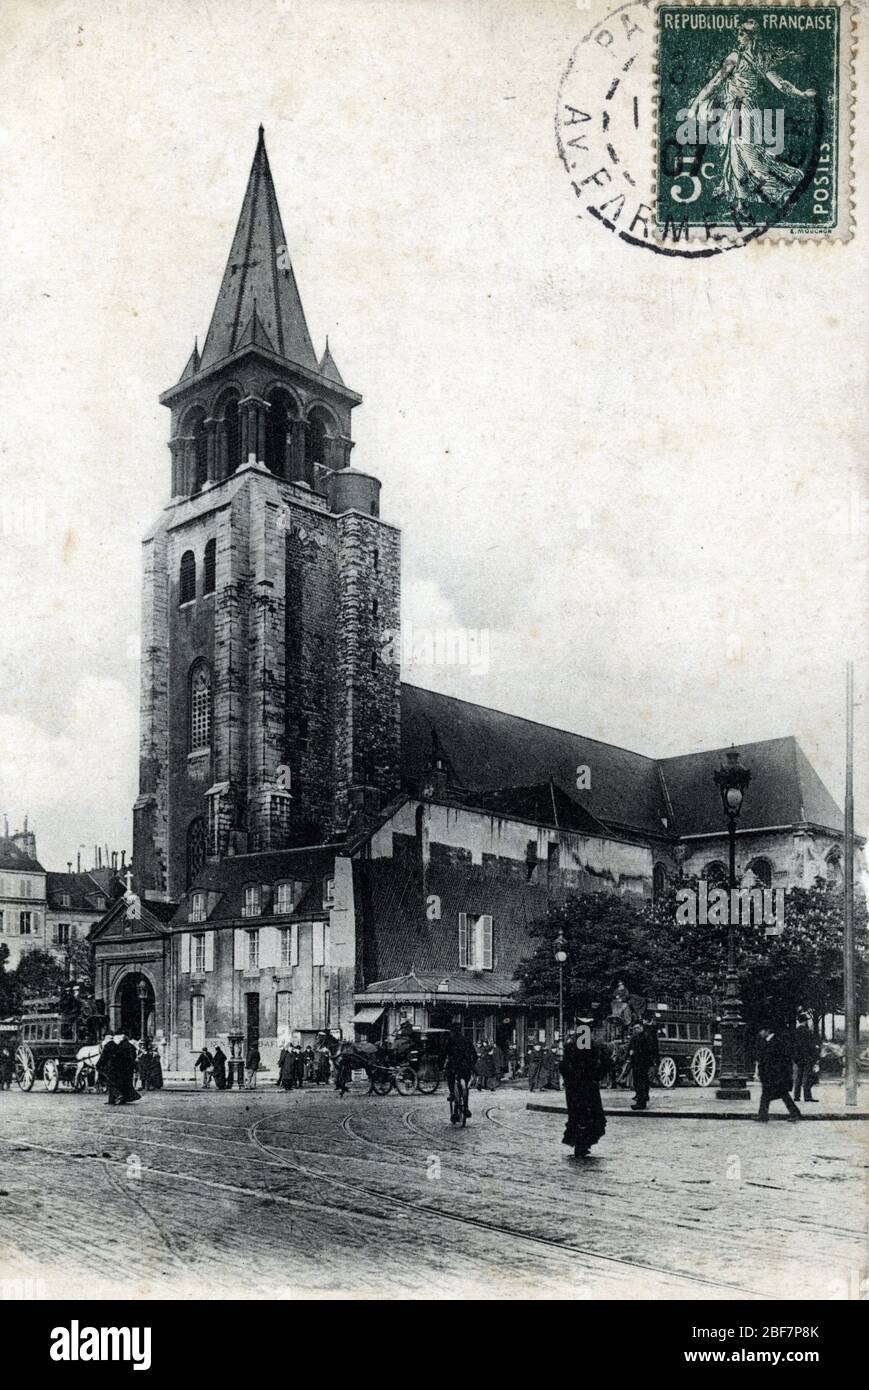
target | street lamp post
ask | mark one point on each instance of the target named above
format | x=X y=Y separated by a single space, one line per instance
x=731 y=780
x=560 y=949
x=142 y=991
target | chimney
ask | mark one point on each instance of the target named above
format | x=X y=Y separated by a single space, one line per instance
x=78 y=862
x=123 y=857
x=69 y=866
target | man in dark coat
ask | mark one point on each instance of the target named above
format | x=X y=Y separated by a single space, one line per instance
x=806 y=1054
x=124 y=1067
x=6 y=1067
x=205 y=1064
x=640 y=1057
x=775 y=1065
x=219 y=1065
x=582 y=1066
x=107 y=1070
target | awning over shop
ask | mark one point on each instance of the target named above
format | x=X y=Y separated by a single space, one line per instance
x=368 y=1015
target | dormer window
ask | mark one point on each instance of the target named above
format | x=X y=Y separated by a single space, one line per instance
x=286 y=896
x=65 y=900
x=252 y=905
x=328 y=892
x=197 y=907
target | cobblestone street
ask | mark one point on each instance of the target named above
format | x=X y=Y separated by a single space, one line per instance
x=308 y=1194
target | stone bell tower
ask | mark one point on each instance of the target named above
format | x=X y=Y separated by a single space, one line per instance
x=268 y=718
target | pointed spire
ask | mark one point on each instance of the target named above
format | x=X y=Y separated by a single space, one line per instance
x=254 y=334
x=192 y=362
x=328 y=367
x=259 y=273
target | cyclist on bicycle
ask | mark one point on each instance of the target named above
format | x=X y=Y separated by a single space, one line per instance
x=459 y=1062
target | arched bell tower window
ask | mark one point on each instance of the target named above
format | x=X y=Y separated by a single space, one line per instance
x=232 y=435
x=835 y=868
x=316 y=441
x=200 y=707
x=200 y=455
x=278 y=419
x=716 y=873
x=187 y=578
x=209 y=570
x=197 y=848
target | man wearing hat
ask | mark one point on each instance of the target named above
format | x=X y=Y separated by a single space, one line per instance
x=806 y=1054
x=582 y=1067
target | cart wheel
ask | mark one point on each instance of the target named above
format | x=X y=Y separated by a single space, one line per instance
x=703 y=1066
x=25 y=1067
x=668 y=1073
x=381 y=1081
x=428 y=1078
x=405 y=1081
x=50 y=1074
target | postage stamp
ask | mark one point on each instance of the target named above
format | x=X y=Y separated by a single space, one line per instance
x=753 y=120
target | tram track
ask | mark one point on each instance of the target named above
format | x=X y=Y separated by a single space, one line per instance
x=424 y=1209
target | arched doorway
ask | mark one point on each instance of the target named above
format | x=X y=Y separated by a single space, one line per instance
x=129 y=1005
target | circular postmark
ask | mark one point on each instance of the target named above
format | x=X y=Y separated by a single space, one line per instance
x=607 y=135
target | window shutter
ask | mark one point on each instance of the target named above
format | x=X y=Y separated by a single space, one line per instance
x=294 y=944
x=73 y=932
x=327 y=944
x=317 y=944
x=240 y=948
x=463 y=940
x=269 y=947
x=185 y=953
x=484 y=956
x=209 y=950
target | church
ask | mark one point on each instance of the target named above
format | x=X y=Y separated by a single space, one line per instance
x=316 y=843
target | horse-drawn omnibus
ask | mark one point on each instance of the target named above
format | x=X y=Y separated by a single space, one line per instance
x=689 y=1045
x=58 y=1046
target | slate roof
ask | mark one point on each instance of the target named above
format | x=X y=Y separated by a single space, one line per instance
x=83 y=892
x=230 y=876
x=502 y=761
x=463 y=983
x=13 y=857
x=490 y=750
x=259 y=272
x=395 y=932
x=784 y=789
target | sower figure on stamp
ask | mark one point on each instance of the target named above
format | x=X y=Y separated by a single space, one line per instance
x=582 y=1066
x=751 y=171
x=775 y=1066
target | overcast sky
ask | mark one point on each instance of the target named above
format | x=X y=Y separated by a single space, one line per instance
x=629 y=469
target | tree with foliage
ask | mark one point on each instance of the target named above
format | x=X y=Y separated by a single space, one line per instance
x=39 y=976
x=611 y=938
x=8 y=992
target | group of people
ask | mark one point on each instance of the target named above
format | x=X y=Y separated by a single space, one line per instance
x=543 y=1068
x=116 y=1068
x=299 y=1065
x=786 y=1064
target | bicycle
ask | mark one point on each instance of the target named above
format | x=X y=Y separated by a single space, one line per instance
x=458 y=1098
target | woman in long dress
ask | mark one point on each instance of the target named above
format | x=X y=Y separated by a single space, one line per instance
x=751 y=171
x=582 y=1068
